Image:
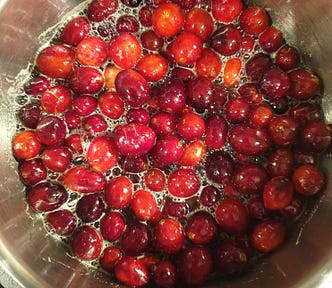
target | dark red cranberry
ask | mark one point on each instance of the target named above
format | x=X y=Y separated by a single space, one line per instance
x=178 y=210
x=200 y=92
x=305 y=155
x=37 y=85
x=56 y=159
x=237 y=110
x=29 y=115
x=75 y=30
x=134 y=164
x=316 y=135
x=283 y=130
x=90 y=208
x=220 y=97
x=112 y=225
x=63 y=222
x=254 y=20
x=216 y=132
x=173 y=96
x=279 y=105
x=163 y=123
x=72 y=119
x=164 y=274
x=145 y=15
x=305 y=112
x=274 y=83
x=256 y=208
x=186 y=4
x=86 y=80
x=84 y=105
x=151 y=41
x=287 y=57
x=126 y=23
x=32 y=171
x=109 y=257
x=99 y=10
x=51 y=131
x=131 y=3
x=257 y=65
x=280 y=162
x=250 y=92
x=271 y=39
x=293 y=209
x=138 y=115
x=155 y=179
x=219 y=167
x=95 y=123
x=210 y=195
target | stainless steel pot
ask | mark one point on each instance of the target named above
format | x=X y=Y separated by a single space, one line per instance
x=33 y=259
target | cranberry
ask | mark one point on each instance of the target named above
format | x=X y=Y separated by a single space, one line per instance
x=216 y=132
x=168 y=236
x=219 y=167
x=294 y=208
x=237 y=110
x=144 y=205
x=183 y=183
x=251 y=93
x=112 y=225
x=209 y=64
x=75 y=30
x=145 y=15
x=186 y=4
x=283 y=130
x=74 y=143
x=199 y=22
x=257 y=65
x=232 y=71
x=111 y=105
x=247 y=44
x=279 y=105
x=155 y=179
x=178 y=210
x=268 y=235
x=56 y=159
x=253 y=20
x=151 y=41
x=226 y=11
x=193 y=154
x=118 y=192
x=200 y=92
x=164 y=274
x=95 y=123
x=25 y=145
x=51 y=131
x=261 y=115
x=256 y=208
x=287 y=58
x=131 y=3
x=153 y=67
x=86 y=80
x=271 y=39
x=47 y=196
x=29 y=115
x=99 y=10
x=84 y=105
x=127 y=23
x=210 y=195
x=110 y=74
x=305 y=112
x=274 y=83
x=135 y=239
x=316 y=135
x=173 y=96
x=303 y=155
x=280 y=162
x=163 y=123
x=194 y=265
x=183 y=73
x=37 y=85
x=32 y=171
x=138 y=115
x=63 y=222
x=191 y=126
x=91 y=51
x=72 y=119
x=109 y=257
x=90 y=208
x=86 y=243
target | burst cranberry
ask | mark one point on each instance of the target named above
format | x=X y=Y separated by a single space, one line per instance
x=63 y=222
x=226 y=11
x=37 y=85
x=287 y=57
x=209 y=64
x=86 y=243
x=308 y=180
x=232 y=71
x=249 y=140
x=194 y=265
x=91 y=51
x=109 y=257
x=268 y=235
x=163 y=123
x=219 y=167
x=167 y=19
x=183 y=183
x=144 y=205
x=271 y=39
x=232 y=216
x=193 y=154
x=84 y=105
x=200 y=92
x=210 y=195
x=135 y=239
x=303 y=155
x=164 y=274
x=111 y=105
x=191 y=126
x=251 y=93
x=153 y=67
x=75 y=30
x=26 y=145
x=199 y=22
x=316 y=135
x=173 y=96
x=274 y=83
x=32 y=171
x=151 y=41
x=99 y=10
x=253 y=20
x=127 y=23
x=135 y=164
x=257 y=65
x=261 y=115
x=56 y=159
x=51 y=131
x=112 y=226
x=56 y=61
x=47 y=196
x=86 y=80
x=90 y=208
x=29 y=115
x=237 y=110
x=83 y=180
x=305 y=112
x=182 y=73
x=283 y=130
x=118 y=192
x=216 y=132
x=168 y=236
x=155 y=179
x=131 y=271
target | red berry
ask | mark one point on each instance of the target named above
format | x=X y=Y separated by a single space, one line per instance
x=112 y=225
x=84 y=105
x=153 y=67
x=155 y=179
x=193 y=154
x=164 y=274
x=111 y=105
x=283 y=130
x=216 y=132
x=90 y=207
x=219 y=167
x=199 y=22
x=26 y=145
x=316 y=135
x=271 y=39
x=200 y=92
x=183 y=183
x=209 y=64
x=191 y=126
x=86 y=80
x=56 y=99
x=75 y=30
x=99 y=10
x=232 y=70
x=274 y=83
x=287 y=57
x=144 y=205
x=63 y=222
x=29 y=115
x=56 y=159
x=32 y=171
x=92 y=51
x=253 y=20
x=118 y=192
x=127 y=23
x=280 y=162
x=237 y=110
x=226 y=11
x=109 y=257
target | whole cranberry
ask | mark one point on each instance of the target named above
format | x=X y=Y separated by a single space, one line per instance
x=271 y=39
x=274 y=83
x=163 y=123
x=200 y=92
x=287 y=57
x=256 y=208
x=29 y=114
x=75 y=30
x=56 y=159
x=183 y=183
x=210 y=195
x=283 y=130
x=178 y=210
x=112 y=225
x=216 y=129
x=219 y=167
x=86 y=80
x=237 y=110
x=191 y=126
x=257 y=65
x=280 y=162
x=109 y=257
x=144 y=205
x=118 y=192
x=134 y=164
x=51 y=130
x=173 y=96
x=32 y=171
x=84 y=105
x=99 y=10
x=317 y=135
x=155 y=179
x=164 y=274
x=305 y=112
x=62 y=221
x=253 y=20
x=90 y=207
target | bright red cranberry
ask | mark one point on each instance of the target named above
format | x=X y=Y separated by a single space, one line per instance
x=109 y=257
x=127 y=23
x=29 y=115
x=200 y=92
x=90 y=207
x=86 y=80
x=226 y=11
x=179 y=210
x=278 y=193
x=131 y=271
x=199 y=22
x=112 y=225
x=84 y=105
x=257 y=65
x=138 y=115
x=32 y=171
x=56 y=159
x=144 y=205
x=231 y=258
x=153 y=67
x=74 y=143
x=155 y=179
x=219 y=167
x=163 y=123
x=134 y=139
x=305 y=112
x=261 y=115
x=274 y=83
x=173 y=96
x=268 y=235
x=232 y=72
x=111 y=105
x=317 y=135
x=209 y=64
x=86 y=243
x=118 y=192
x=191 y=126
x=92 y=51
x=193 y=154
x=83 y=180
x=288 y=58
x=164 y=274
x=183 y=183
x=201 y=228
x=37 y=85
x=247 y=44
x=99 y=10
x=95 y=123
x=226 y=40
x=237 y=110
x=194 y=265
x=216 y=132
x=308 y=180
x=63 y=222
x=210 y=195
x=47 y=196
x=168 y=236
x=280 y=162
x=75 y=30
x=283 y=130
x=271 y=39
x=249 y=140
x=51 y=131
x=256 y=208
x=151 y=41
x=72 y=119
x=253 y=20
x=135 y=164
x=135 y=239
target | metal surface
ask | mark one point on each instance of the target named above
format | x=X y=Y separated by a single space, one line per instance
x=35 y=260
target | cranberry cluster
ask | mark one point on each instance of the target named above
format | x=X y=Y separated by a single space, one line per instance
x=170 y=140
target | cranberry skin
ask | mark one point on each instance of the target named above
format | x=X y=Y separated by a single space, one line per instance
x=132 y=3
x=201 y=228
x=37 y=85
x=237 y=110
x=127 y=23
x=155 y=180
x=210 y=195
x=250 y=178
x=280 y=162
x=83 y=180
x=133 y=89
x=112 y=225
x=131 y=271
x=75 y=30
x=74 y=143
x=138 y=115
x=194 y=265
x=216 y=132
x=219 y=167
x=249 y=140
x=317 y=135
x=86 y=243
x=305 y=112
x=183 y=183
x=278 y=193
x=168 y=236
x=95 y=123
x=283 y=130
x=279 y=105
x=274 y=83
x=151 y=41
x=186 y=4
x=63 y=222
x=200 y=92
x=226 y=11
x=179 y=210
x=308 y=180
x=271 y=39
x=99 y=10
x=226 y=40
x=84 y=105
x=109 y=257
x=29 y=115
x=164 y=274
x=51 y=131
x=294 y=208
x=173 y=96
x=90 y=208
x=134 y=139
x=257 y=65
x=232 y=216
x=191 y=126
x=118 y=192
x=268 y=235
x=32 y=171
x=135 y=239
x=253 y=20
x=198 y=21
x=230 y=258
x=47 y=196
x=86 y=80
x=56 y=159
x=163 y=123
x=167 y=150
x=288 y=58
x=153 y=67
x=144 y=205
